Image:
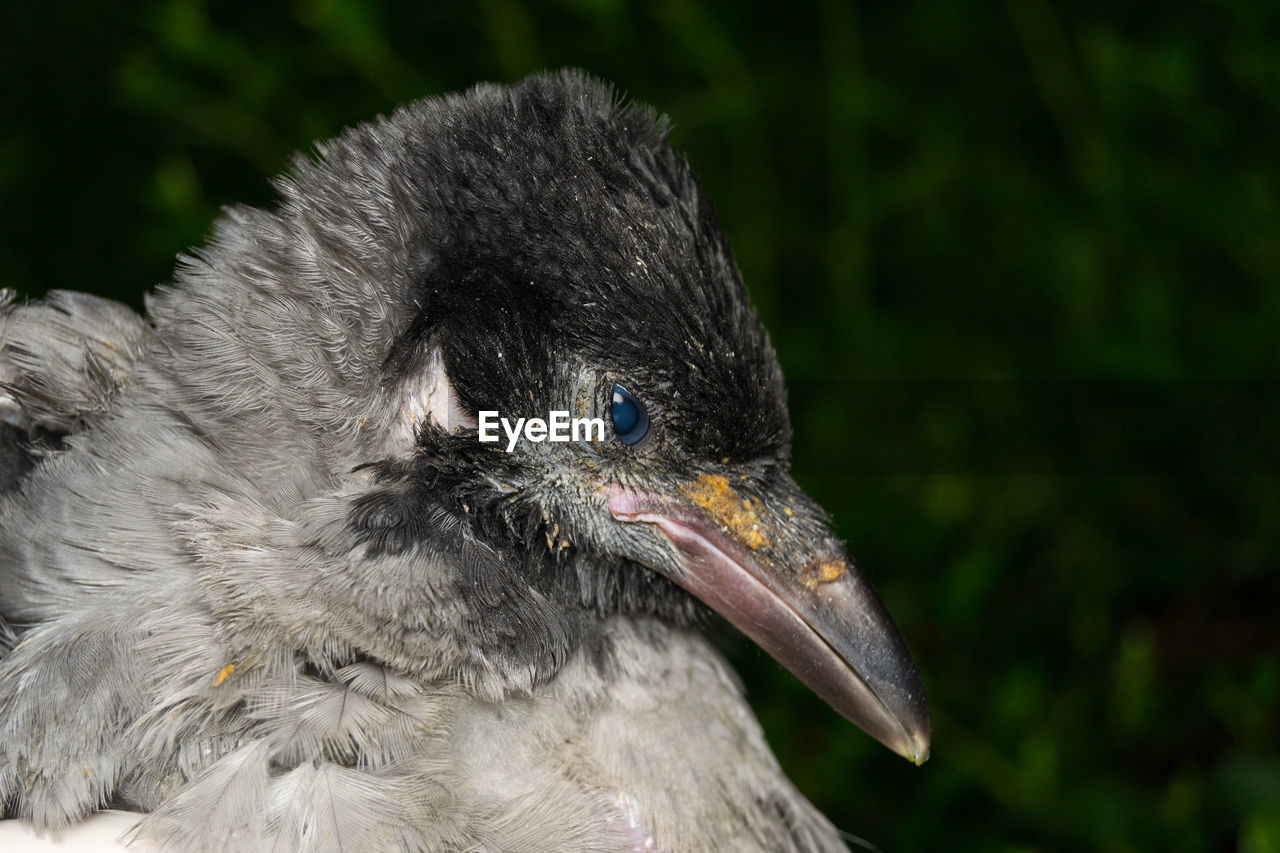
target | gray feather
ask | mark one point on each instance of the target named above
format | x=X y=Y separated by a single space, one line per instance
x=229 y=797
x=64 y=359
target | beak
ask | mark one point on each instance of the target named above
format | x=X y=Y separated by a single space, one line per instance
x=780 y=576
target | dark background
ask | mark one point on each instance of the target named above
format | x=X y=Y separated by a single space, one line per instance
x=1020 y=264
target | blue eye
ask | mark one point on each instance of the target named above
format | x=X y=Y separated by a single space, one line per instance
x=630 y=420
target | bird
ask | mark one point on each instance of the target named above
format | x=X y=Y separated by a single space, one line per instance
x=263 y=584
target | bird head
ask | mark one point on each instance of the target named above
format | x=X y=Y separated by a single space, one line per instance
x=508 y=254
x=583 y=271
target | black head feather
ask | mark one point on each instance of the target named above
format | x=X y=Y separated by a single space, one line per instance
x=578 y=249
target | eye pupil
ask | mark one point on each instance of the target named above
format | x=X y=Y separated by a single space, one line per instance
x=630 y=420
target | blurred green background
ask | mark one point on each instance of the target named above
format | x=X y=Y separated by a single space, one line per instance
x=1020 y=263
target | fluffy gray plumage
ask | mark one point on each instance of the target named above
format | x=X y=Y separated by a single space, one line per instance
x=268 y=587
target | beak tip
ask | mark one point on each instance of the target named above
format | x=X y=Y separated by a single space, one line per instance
x=915 y=747
x=912 y=735
x=920 y=737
